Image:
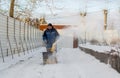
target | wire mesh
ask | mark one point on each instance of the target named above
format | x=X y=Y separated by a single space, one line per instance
x=17 y=37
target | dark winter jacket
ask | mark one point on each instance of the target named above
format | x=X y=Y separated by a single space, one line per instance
x=50 y=36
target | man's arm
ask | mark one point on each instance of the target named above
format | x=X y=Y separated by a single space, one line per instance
x=44 y=37
x=57 y=34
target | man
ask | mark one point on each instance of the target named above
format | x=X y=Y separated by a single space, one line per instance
x=50 y=36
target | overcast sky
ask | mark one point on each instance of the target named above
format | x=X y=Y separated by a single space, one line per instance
x=62 y=7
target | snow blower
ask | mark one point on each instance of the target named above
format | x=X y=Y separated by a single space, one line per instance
x=50 y=56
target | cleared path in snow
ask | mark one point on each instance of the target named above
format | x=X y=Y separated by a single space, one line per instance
x=73 y=63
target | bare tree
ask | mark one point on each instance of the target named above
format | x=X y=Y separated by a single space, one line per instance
x=11 y=13
x=26 y=11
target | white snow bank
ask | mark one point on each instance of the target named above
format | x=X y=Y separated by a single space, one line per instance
x=102 y=49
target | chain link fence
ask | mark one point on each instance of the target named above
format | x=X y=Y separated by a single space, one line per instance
x=17 y=37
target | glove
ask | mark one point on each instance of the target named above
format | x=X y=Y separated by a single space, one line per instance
x=53 y=47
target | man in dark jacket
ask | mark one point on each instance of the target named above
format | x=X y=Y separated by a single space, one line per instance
x=50 y=36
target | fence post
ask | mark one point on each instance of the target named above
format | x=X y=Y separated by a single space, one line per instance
x=35 y=36
x=39 y=38
x=29 y=37
x=36 y=39
x=9 y=39
x=2 y=51
x=32 y=37
x=21 y=37
x=15 y=39
x=26 y=38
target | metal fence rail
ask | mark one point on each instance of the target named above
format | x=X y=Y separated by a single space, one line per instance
x=17 y=37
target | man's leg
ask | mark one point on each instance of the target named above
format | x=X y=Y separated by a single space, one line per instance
x=46 y=55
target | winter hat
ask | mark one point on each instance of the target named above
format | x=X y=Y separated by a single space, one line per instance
x=49 y=24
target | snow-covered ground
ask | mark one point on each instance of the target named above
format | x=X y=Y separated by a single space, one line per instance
x=72 y=63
